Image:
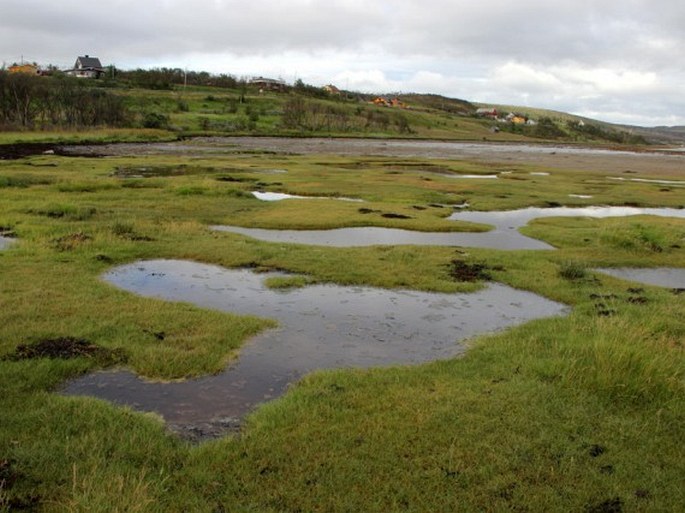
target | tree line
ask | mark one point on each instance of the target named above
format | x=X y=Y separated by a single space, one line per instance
x=28 y=101
x=166 y=78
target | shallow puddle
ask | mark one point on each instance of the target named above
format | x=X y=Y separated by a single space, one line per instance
x=279 y=196
x=647 y=180
x=671 y=277
x=504 y=235
x=321 y=326
x=471 y=177
x=5 y=242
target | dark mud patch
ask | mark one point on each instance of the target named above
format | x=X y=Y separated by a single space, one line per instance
x=19 y=151
x=9 y=476
x=392 y=215
x=236 y=179
x=613 y=505
x=7 y=231
x=368 y=211
x=67 y=212
x=638 y=300
x=66 y=348
x=205 y=431
x=461 y=270
x=161 y=171
x=596 y=450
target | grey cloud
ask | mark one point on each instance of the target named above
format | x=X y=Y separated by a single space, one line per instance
x=451 y=38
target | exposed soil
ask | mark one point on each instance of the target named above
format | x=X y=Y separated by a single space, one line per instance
x=7 y=474
x=7 y=231
x=18 y=151
x=392 y=215
x=67 y=348
x=204 y=431
x=613 y=505
x=463 y=271
x=597 y=450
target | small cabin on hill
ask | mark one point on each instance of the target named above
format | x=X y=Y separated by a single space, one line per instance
x=268 y=84
x=332 y=90
x=26 y=68
x=87 y=67
x=487 y=112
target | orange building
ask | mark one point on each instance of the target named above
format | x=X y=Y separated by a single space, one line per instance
x=29 y=69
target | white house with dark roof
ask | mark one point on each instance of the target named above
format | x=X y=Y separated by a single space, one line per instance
x=87 y=67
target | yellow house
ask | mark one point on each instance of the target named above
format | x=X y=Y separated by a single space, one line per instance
x=29 y=69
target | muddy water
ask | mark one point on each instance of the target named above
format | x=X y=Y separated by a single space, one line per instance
x=660 y=276
x=322 y=326
x=505 y=234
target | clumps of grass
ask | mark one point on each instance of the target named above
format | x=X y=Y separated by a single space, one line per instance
x=191 y=191
x=573 y=271
x=236 y=193
x=127 y=231
x=461 y=270
x=141 y=183
x=23 y=181
x=67 y=212
x=67 y=348
x=286 y=282
x=85 y=187
x=640 y=237
x=71 y=241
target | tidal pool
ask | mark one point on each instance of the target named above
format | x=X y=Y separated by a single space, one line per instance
x=504 y=235
x=671 y=277
x=320 y=327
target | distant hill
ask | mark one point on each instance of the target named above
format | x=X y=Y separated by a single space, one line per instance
x=660 y=134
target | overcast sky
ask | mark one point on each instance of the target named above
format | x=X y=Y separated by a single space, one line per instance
x=616 y=60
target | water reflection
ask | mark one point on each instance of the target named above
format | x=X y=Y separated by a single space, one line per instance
x=279 y=196
x=322 y=326
x=504 y=235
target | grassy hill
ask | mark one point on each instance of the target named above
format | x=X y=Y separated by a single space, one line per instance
x=208 y=105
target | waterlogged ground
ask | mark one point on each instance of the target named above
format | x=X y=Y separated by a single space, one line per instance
x=321 y=326
x=562 y=157
x=505 y=234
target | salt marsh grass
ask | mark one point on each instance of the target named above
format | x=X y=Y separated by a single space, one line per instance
x=564 y=414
